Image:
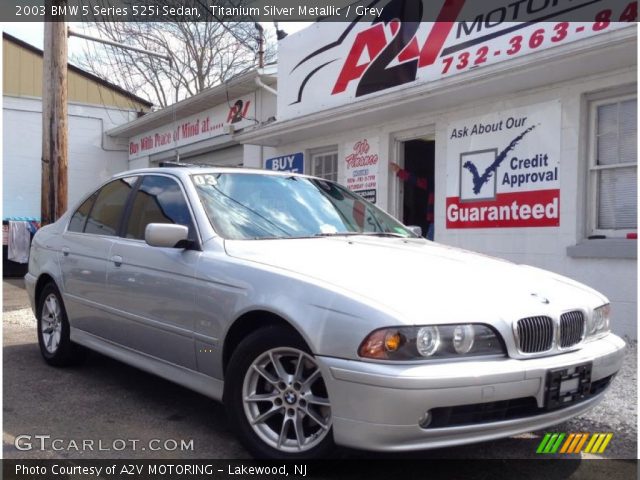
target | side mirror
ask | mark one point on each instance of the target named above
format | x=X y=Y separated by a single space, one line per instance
x=166 y=235
x=415 y=229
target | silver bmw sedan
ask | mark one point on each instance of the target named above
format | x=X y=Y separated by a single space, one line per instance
x=314 y=316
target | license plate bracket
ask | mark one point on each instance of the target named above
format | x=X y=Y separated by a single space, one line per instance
x=566 y=386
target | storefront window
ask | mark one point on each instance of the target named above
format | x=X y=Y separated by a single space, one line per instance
x=614 y=166
x=325 y=165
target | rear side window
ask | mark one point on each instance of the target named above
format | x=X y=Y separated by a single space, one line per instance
x=79 y=219
x=106 y=213
x=158 y=200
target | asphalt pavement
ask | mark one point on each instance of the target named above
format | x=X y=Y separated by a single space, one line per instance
x=128 y=413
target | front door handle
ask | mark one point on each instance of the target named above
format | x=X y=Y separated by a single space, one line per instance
x=65 y=251
x=117 y=260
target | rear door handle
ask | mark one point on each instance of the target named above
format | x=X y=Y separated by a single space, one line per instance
x=65 y=251
x=117 y=260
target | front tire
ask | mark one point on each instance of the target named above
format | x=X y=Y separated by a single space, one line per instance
x=276 y=397
x=53 y=330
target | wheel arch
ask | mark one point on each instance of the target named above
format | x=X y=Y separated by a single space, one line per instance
x=249 y=322
x=43 y=280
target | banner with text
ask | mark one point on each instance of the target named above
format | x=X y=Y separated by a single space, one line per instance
x=361 y=162
x=330 y=64
x=239 y=113
x=503 y=169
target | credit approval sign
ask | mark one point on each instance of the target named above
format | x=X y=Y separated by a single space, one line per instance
x=503 y=169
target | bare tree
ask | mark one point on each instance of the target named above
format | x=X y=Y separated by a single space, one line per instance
x=203 y=54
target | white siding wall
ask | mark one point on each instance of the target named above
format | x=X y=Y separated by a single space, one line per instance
x=254 y=155
x=542 y=247
x=142 y=162
x=89 y=163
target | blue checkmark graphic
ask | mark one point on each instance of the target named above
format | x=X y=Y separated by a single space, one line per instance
x=480 y=180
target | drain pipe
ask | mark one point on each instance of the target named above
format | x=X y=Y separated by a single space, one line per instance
x=264 y=86
x=267 y=88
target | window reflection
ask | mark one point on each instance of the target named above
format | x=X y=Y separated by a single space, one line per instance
x=158 y=200
x=105 y=215
x=250 y=206
x=79 y=218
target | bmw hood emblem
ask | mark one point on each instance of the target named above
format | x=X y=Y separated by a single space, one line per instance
x=540 y=298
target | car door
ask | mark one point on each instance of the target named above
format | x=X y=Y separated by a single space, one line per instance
x=153 y=287
x=84 y=253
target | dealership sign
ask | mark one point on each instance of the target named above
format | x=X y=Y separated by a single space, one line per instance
x=503 y=169
x=286 y=163
x=361 y=161
x=239 y=112
x=334 y=63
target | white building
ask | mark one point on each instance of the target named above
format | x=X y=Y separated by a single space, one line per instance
x=522 y=139
x=94 y=107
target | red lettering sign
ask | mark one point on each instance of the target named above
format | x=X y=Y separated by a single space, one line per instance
x=373 y=41
x=538 y=208
x=238 y=111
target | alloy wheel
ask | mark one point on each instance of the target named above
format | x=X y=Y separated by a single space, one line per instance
x=51 y=324
x=286 y=401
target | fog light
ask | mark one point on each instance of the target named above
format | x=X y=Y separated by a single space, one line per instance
x=427 y=341
x=463 y=338
x=425 y=420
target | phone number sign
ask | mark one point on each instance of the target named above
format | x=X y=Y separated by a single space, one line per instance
x=333 y=63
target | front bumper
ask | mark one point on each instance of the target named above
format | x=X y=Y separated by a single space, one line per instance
x=378 y=406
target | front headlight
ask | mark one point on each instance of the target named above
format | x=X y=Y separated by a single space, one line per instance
x=600 y=321
x=431 y=341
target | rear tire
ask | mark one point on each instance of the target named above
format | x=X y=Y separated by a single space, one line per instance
x=276 y=397
x=53 y=330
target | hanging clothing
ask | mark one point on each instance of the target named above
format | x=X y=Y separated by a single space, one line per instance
x=34 y=226
x=19 y=242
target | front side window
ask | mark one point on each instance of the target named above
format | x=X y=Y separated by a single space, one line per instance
x=243 y=206
x=158 y=200
x=108 y=208
x=614 y=166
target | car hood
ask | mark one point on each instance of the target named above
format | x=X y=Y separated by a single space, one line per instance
x=416 y=279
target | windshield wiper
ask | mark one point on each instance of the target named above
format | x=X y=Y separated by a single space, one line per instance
x=353 y=234
x=333 y=234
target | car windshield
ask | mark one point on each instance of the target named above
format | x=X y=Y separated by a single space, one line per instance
x=244 y=206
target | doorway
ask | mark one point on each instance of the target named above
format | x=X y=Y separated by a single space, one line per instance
x=418 y=185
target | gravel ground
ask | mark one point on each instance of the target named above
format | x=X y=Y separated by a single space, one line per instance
x=23 y=318
x=105 y=395
x=618 y=413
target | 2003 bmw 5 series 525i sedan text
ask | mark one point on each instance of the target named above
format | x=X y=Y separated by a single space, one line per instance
x=314 y=316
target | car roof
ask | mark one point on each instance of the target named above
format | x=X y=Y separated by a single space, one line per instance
x=187 y=170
